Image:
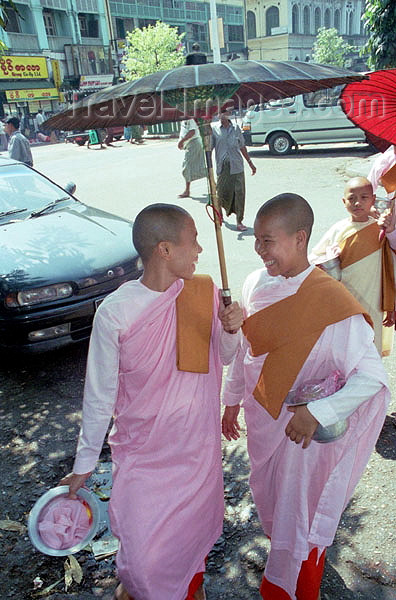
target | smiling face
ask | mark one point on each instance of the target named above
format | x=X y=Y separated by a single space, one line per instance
x=359 y=199
x=184 y=253
x=283 y=252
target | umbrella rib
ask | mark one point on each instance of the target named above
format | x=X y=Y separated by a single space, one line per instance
x=232 y=71
x=196 y=71
x=158 y=86
x=267 y=68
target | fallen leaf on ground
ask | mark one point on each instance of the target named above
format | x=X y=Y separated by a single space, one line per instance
x=73 y=571
x=8 y=525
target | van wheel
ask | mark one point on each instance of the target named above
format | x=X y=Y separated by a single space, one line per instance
x=280 y=143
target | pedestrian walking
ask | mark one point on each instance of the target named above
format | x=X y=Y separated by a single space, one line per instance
x=18 y=145
x=39 y=121
x=155 y=363
x=193 y=163
x=302 y=329
x=230 y=150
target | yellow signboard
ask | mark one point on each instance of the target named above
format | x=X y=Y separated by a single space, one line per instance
x=56 y=73
x=46 y=94
x=23 y=67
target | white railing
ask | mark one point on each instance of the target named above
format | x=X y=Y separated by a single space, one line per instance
x=23 y=41
x=56 y=42
x=88 y=41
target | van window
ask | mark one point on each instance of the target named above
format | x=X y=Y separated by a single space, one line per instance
x=280 y=103
x=317 y=99
x=323 y=98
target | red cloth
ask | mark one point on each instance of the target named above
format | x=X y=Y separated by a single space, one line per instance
x=196 y=582
x=308 y=584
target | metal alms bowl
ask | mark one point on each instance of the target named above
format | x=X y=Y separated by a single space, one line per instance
x=43 y=501
x=331 y=433
x=323 y=435
x=332 y=267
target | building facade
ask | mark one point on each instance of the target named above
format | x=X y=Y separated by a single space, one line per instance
x=82 y=42
x=286 y=29
x=70 y=36
x=190 y=17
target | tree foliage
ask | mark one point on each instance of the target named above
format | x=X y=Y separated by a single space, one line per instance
x=4 y=4
x=380 y=21
x=330 y=48
x=151 y=49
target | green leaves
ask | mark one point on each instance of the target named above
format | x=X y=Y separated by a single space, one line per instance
x=330 y=48
x=154 y=48
x=380 y=22
x=4 y=4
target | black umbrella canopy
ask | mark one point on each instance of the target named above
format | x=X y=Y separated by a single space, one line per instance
x=198 y=91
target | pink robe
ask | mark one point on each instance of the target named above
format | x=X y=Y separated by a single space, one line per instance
x=381 y=165
x=300 y=494
x=166 y=504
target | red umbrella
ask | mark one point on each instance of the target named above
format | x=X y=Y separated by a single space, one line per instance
x=371 y=105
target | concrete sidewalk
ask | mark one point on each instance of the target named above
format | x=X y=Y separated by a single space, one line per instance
x=359 y=166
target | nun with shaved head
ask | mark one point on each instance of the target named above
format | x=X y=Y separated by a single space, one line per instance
x=307 y=363
x=155 y=364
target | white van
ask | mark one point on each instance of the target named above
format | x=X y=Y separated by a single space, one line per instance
x=312 y=118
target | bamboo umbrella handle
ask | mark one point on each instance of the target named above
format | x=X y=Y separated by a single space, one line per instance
x=206 y=134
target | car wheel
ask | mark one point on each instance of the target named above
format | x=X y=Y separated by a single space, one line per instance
x=80 y=142
x=280 y=143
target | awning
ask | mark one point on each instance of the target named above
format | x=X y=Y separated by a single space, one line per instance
x=29 y=90
x=31 y=95
x=26 y=84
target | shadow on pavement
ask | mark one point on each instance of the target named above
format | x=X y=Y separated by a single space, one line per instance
x=386 y=446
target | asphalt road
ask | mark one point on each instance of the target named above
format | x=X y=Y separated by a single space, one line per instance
x=40 y=397
x=126 y=177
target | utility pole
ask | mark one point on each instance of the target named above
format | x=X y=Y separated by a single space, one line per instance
x=214 y=32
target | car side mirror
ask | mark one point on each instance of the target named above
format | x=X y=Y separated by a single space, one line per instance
x=70 y=187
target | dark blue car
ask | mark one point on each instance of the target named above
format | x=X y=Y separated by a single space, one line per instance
x=58 y=259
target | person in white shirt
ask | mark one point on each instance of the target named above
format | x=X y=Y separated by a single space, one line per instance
x=18 y=145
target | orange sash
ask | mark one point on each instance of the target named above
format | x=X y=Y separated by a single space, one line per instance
x=363 y=243
x=388 y=180
x=289 y=329
x=194 y=311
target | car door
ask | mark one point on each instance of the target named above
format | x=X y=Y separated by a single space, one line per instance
x=276 y=115
x=322 y=119
x=315 y=118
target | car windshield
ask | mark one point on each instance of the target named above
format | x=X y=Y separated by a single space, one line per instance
x=22 y=189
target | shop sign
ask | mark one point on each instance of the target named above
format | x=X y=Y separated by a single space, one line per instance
x=56 y=73
x=46 y=94
x=23 y=67
x=95 y=81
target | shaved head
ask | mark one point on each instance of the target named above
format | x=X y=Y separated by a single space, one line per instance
x=292 y=209
x=357 y=182
x=157 y=223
